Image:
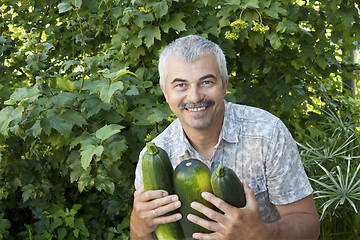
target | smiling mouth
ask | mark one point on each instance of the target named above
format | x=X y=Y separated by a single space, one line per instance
x=196 y=109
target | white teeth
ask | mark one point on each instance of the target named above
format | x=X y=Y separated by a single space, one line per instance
x=196 y=109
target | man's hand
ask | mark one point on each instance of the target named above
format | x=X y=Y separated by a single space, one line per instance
x=234 y=223
x=148 y=212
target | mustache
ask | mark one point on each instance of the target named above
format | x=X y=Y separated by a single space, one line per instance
x=204 y=103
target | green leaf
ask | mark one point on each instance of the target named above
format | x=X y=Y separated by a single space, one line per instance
x=322 y=62
x=264 y=4
x=88 y=153
x=251 y=4
x=57 y=222
x=4 y=225
x=47 y=46
x=80 y=225
x=133 y=91
x=69 y=221
x=63 y=99
x=149 y=33
x=59 y=124
x=77 y=169
x=69 y=63
x=85 y=181
x=147 y=17
x=280 y=27
x=232 y=2
x=105 y=183
x=160 y=8
x=61 y=233
x=78 y=3
x=29 y=93
x=115 y=149
x=74 y=117
x=275 y=9
x=213 y=3
x=28 y=191
x=157 y=116
x=7 y=115
x=175 y=22
x=65 y=84
x=35 y=130
x=64 y=7
x=274 y=40
x=347 y=15
x=108 y=130
x=93 y=105
x=107 y=90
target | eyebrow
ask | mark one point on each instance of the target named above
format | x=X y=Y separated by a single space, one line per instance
x=208 y=76
x=202 y=78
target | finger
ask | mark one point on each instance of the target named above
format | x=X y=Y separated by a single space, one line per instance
x=210 y=213
x=218 y=202
x=151 y=195
x=167 y=219
x=163 y=206
x=210 y=225
x=206 y=236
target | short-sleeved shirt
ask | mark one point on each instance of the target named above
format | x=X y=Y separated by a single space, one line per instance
x=257 y=146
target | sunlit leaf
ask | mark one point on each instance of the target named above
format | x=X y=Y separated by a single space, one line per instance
x=7 y=115
x=64 y=7
x=65 y=84
x=108 y=130
x=88 y=153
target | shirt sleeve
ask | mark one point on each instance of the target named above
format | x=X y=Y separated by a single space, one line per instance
x=287 y=181
x=138 y=171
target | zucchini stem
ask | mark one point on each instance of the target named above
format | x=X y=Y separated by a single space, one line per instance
x=220 y=171
x=152 y=149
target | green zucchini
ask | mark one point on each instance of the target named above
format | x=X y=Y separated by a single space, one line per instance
x=191 y=178
x=157 y=174
x=227 y=186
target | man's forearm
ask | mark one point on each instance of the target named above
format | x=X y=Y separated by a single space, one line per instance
x=134 y=236
x=295 y=226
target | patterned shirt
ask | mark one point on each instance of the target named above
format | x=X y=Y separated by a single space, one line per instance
x=257 y=146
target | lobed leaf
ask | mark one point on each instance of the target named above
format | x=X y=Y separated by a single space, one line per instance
x=108 y=130
x=88 y=153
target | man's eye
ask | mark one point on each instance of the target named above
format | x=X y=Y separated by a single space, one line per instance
x=180 y=85
x=206 y=82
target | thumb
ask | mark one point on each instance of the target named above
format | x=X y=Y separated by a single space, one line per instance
x=249 y=195
x=139 y=190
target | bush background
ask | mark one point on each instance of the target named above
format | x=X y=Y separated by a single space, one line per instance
x=79 y=93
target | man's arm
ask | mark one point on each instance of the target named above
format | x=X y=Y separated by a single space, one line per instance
x=299 y=220
x=148 y=210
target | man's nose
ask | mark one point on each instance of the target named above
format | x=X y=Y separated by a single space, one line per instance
x=195 y=94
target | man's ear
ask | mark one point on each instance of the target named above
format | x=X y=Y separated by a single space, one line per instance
x=225 y=84
x=164 y=91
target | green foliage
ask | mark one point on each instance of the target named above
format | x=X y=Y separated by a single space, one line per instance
x=331 y=154
x=79 y=93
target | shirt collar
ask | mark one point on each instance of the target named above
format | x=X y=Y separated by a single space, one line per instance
x=230 y=129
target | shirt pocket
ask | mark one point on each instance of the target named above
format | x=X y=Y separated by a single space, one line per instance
x=258 y=185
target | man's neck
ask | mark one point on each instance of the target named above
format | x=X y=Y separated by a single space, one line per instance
x=204 y=140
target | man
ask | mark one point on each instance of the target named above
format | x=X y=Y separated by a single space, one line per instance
x=251 y=141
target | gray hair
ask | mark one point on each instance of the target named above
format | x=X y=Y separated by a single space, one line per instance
x=190 y=48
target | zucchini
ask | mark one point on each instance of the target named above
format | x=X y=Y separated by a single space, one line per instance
x=227 y=186
x=191 y=178
x=157 y=174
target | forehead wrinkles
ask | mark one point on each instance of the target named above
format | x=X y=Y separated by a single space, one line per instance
x=202 y=68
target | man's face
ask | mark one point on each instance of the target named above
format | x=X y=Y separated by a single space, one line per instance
x=195 y=92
